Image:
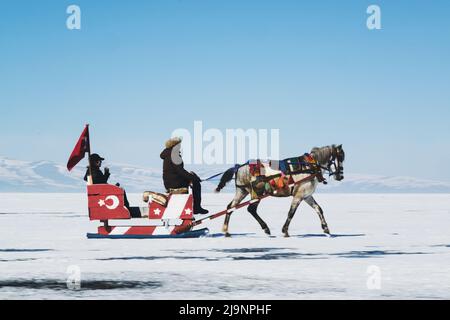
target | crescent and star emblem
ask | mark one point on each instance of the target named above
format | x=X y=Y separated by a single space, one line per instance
x=114 y=205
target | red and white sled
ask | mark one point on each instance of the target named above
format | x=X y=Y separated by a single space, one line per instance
x=168 y=219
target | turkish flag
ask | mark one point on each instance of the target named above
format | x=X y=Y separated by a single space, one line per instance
x=82 y=146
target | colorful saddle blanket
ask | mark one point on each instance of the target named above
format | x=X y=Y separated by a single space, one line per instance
x=298 y=165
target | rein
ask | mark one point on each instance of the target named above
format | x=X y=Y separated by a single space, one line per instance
x=236 y=168
x=331 y=162
x=304 y=171
x=212 y=177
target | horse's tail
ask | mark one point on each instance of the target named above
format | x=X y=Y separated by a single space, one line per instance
x=227 y=177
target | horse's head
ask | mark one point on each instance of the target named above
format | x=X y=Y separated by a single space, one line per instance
x=332 y=158
x=335 y=164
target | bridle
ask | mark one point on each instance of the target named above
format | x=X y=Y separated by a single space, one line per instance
x=334 y=166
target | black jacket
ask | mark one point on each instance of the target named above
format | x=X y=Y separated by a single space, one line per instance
x=174 y=175
x=98 y=177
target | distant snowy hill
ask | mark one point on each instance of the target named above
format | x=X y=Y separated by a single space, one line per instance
x=365 y=183
x=47 y=176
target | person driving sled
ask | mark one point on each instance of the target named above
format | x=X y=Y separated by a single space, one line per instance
x=98 y=177
x=175 y=176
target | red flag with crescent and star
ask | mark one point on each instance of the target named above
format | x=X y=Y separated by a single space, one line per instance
x=82 y=146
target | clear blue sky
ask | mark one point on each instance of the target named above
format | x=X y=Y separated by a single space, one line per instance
x=140 y=69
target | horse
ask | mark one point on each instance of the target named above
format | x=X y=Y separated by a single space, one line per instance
x=329 y=158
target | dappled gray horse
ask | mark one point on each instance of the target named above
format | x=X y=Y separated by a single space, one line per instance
x=330 y=158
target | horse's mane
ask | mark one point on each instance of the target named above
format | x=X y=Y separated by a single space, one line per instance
x=322 y=154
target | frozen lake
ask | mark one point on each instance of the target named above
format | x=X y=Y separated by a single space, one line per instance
x=384 y=247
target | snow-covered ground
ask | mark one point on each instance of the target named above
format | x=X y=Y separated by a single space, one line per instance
x=404 y=239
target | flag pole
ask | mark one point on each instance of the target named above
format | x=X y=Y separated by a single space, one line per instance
x=90 y=180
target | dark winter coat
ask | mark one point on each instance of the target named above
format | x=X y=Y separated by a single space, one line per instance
x=98 y=177
x=174 y=175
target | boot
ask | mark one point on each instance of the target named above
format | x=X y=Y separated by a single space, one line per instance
x=200 y=210
x=197 y=194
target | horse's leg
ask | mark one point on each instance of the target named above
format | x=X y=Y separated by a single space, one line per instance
x=252 y=209
x=312 y=202
x=294 y=205
x=238 y=197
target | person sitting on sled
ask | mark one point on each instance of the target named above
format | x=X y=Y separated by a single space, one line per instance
x=176 y=177
x=98 y=177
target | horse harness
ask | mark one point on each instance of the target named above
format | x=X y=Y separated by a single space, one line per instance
x=287 y=168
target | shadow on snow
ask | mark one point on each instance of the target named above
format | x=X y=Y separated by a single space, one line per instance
x=84 y=285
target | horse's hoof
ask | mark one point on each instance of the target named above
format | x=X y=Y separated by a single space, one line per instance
x=286 y=235
x=227 y=235
x=267 y=231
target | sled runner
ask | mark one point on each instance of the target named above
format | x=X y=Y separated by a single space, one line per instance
x=168 y=216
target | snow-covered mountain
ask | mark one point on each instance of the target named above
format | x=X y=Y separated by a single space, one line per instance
x=47 y=176
x=366 y=183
